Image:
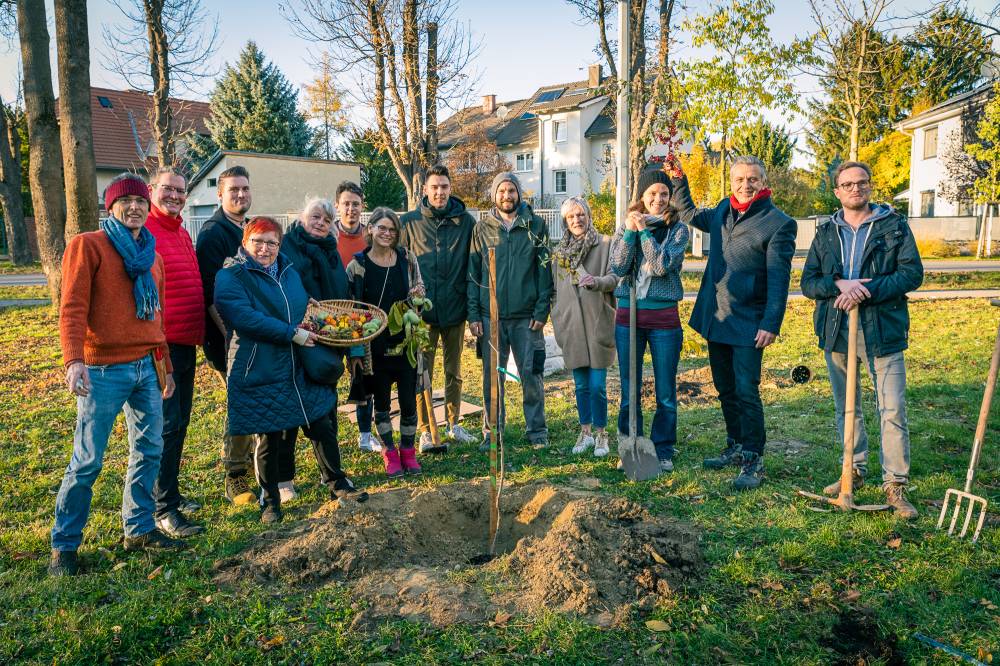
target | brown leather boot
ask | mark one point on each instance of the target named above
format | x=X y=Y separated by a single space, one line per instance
x=833 y=489
x=896 y=498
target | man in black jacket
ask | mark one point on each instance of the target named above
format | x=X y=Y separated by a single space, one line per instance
x=439 y=232
x=218 y=240
x=866 y=257
x=741 y=303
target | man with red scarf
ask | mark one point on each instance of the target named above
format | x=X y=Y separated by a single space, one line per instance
x=741 y=303
x=184 y=320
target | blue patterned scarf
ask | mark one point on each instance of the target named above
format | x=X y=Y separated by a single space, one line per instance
x=138 y=255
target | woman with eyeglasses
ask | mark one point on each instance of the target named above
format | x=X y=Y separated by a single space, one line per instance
x=262 y=301
x=382 y=275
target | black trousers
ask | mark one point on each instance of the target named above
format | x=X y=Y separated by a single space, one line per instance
x=176 y=417
x=268 y=452
x=736 y=374
x=389 y=370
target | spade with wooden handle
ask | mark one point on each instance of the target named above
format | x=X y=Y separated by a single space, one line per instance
x=974 y=506
x=845 y=499
x=424 y=385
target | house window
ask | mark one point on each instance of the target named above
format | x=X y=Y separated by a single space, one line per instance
x=105 y=102
x=965 y=208
x=558 y=130
x=212 y=182
x=927 y=203
x=524 y=162
x=560 y=179
x=930 y=142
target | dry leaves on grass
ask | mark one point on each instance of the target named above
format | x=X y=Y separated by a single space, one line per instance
x=657 y=625
x=894 y=541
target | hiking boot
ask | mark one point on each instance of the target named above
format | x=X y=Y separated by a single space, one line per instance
x=751 y=471
x=666 y=466
x=600 y=444
x=833 y=490
x=177 y=526
x=238 y=490
x=460 y=434
x=731 y=455
x=484 y=446
x=393 y=466
x=345 y=489
x=64 y=563
x=287 y=492
x=368 y=443
x=540 y=444
x=188 y=506
x=154 y=540
x=896 y=498
x=583 y=442
x=271 y=514
x=408 y=459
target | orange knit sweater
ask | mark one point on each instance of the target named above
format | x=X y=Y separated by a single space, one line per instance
x=97 y=322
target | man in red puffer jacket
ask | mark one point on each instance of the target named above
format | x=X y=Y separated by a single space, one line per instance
x=184 y=319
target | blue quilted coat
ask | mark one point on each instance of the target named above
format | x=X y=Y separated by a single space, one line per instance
x=267 y=388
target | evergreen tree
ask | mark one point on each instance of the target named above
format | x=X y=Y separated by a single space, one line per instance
x=379 y=180
x=771 y=143
x=951 y=49
x=255 y=108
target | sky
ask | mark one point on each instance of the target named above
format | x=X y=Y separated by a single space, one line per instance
x=525 y=44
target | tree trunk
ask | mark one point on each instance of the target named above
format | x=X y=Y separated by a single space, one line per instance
x=433 y=81
x=637 y=100
x=159 y=71
x=722 y=162
x=10 y=191
x=45 y=173
x=75 y=126
x=411 y=75
x=602 y=31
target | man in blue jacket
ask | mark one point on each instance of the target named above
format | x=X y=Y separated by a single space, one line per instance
x=741 y=303
x=866 y=257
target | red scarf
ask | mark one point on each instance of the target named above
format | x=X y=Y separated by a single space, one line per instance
x=744 y=207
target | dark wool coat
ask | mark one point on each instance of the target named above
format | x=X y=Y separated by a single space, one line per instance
x=440 y=240
x=267 y=388
x=218 y=240
x=892 y=262
x=745 y=285
x=318 y=263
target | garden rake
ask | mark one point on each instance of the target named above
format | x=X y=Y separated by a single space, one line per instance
x=845 y=499
x=964 y=500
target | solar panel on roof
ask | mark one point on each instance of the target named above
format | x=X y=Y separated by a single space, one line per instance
x=105 y=102
x=549 y=95
x=527 y=116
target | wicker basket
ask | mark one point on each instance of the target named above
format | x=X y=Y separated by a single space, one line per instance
x=339 y=307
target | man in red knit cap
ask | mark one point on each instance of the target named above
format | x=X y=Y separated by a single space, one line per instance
x=184 y=320
x=116 y=357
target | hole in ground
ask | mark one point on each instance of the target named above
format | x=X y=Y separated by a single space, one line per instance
x=408 y=553
x=858 y=641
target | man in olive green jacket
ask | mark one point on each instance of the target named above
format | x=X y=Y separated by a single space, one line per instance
x=439 y=233
x=524 y=297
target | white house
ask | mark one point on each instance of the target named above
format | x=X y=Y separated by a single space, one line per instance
x=932 y=131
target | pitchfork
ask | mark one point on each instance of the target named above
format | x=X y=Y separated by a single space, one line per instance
x=960 y=496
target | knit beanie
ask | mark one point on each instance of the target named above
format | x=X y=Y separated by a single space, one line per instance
x=500 y=178
x=652 y=176
x=131 y=186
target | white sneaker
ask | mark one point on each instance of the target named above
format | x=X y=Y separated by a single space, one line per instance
x=666 y=466
x=600 y=444
x=461 y=435
x=583 y=442
x=369 y=443
x=286 y=489
x=425 y=443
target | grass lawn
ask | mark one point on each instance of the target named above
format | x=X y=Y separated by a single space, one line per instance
x=8 y=268
x=784 y=583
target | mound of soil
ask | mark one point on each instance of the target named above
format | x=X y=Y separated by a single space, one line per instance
x=409 y=553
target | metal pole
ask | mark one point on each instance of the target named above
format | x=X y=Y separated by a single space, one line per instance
x=624 y=56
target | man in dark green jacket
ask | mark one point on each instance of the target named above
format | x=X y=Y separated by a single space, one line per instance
x=439 y=233
x=524 y=297
x=865 y=256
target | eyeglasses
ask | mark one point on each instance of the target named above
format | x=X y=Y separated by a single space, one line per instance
x=388 y=231
x=260 y=242
x=855 y=185
x=170 y=189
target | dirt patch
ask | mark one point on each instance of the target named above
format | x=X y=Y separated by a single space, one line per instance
x=858 y=641
x=696 y=386
x=788 y=447
x=407 y=553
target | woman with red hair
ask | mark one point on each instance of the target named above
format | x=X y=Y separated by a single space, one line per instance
x=262 y=301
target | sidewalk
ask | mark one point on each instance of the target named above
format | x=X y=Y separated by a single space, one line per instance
x=930 y=265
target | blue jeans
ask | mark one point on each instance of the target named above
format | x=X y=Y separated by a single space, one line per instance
x=591 y=395
x=364 y=415
x=665 y=348
x=134 y=387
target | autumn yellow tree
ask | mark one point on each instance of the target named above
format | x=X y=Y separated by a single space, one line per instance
x=701 y=170
x=323 y=104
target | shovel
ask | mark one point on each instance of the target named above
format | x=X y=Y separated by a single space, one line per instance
x=424 y=386
x=845 y=499
x=964 y=498
x=638 y=455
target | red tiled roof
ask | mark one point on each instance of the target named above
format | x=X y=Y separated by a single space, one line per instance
x=117 y=128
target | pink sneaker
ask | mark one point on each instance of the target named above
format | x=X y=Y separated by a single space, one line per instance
x=392 y=467
x=409 y=460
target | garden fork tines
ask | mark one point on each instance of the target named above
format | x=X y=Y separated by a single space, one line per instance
x=965 y=498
